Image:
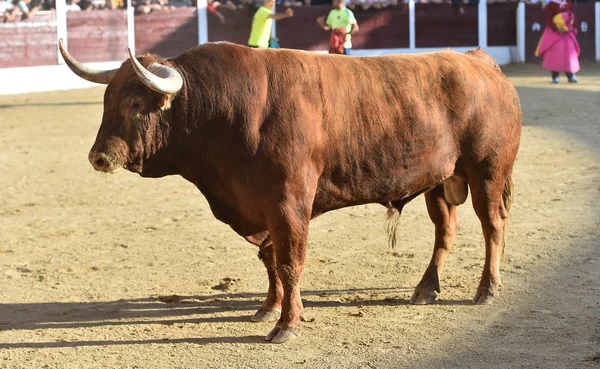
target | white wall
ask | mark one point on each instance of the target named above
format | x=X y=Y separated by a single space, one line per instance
x=46 y=78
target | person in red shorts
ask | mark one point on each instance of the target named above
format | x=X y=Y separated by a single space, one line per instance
x=342 y=24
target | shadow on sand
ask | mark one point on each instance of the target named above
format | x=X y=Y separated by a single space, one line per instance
x=170 y=310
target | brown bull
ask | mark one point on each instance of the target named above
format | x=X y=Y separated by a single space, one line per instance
x=273 y=138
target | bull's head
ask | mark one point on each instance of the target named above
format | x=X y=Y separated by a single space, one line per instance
x=135 y=124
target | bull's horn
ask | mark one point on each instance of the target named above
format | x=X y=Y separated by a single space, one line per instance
x=163 y=79
x=87 y=73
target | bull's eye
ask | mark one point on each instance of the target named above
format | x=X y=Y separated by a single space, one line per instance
x=135 y=105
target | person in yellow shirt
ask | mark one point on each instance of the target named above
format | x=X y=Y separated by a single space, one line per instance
x=262 y=23
x=340 y=20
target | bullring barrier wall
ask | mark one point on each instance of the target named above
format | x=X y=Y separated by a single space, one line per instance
x=508 y=31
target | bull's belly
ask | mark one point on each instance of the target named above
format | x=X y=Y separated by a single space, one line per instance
x=387 y=169
x=332 y=196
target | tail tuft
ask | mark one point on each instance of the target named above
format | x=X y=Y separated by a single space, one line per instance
x=507 y=199
x=392 y=224
x=508 y=193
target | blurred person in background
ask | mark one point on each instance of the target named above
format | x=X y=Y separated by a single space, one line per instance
x=145 y=6
x=288 y=3
x=558 y=44
x=179 y=3
x=368 y=4
x=7 y=11
x=212 y=7
x=114 y=4
x=86 y=5
x=342 y=24
x=459 y=5
x=262 y=24
x=72 y=5
x=240 y=3
x=11 y=11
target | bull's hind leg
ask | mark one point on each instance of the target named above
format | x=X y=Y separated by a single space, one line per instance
x=491 y=201
x=444 y=216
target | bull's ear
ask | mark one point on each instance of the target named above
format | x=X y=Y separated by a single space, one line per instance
x=165 y=101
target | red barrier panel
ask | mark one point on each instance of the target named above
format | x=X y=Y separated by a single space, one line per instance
x=535 y=24
x=166 y=33
x=236 y=27
x=586 y=25
x=383 y=29
x=302 y=31
x=97 y=36
x=29 y=43
x=441 y=25
x=502 y=24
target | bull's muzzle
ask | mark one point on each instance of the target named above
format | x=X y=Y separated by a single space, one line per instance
x=103 y=162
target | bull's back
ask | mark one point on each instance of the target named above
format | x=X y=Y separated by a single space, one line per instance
x=483 y=57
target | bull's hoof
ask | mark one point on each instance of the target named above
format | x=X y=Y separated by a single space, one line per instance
x=264 y=315
x=423 y=296
x=280 y=335
x=484 y=295
x=306 y=319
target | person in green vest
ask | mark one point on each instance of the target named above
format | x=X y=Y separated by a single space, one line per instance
x=342 y=24
x=262 y=23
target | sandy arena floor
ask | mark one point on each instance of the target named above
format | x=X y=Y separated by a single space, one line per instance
x=86 y=257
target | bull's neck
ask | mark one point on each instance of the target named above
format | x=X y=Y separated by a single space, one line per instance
x=202 y=135
x=188 y=121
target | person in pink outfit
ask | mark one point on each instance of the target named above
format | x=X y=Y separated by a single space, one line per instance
x=558 y=45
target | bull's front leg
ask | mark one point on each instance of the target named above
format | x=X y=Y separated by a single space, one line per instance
x=289 y=231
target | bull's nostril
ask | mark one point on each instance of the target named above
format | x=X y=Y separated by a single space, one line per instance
x=100 y=163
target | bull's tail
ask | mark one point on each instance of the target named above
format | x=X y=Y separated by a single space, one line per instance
x=507 y=199
x=394 y=211
x=391 y=225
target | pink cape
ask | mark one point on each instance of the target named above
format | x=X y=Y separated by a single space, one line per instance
x=560 y=50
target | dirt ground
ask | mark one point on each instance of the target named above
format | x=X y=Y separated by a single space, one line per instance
x=85 y=259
